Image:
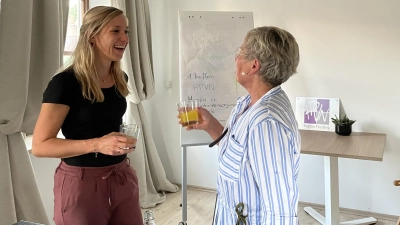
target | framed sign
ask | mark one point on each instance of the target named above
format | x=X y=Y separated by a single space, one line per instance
x=314 y=113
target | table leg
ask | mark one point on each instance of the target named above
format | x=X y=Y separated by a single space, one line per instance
x=314 y=214
x=369 y=220
x=331 y=190
x=332 y=216
x=331 y=194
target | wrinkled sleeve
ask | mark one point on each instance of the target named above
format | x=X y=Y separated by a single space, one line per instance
x=274 y=162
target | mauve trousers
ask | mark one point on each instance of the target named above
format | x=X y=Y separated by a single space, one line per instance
x=96 y=195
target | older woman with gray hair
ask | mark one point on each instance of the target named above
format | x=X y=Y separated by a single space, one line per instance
x=259 y=149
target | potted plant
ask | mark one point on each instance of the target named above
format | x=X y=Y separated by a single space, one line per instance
x=343 y=125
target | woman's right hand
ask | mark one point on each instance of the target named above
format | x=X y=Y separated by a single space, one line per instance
x=114 y=143
x=205 y=120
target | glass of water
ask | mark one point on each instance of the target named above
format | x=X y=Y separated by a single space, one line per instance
x=132 y=131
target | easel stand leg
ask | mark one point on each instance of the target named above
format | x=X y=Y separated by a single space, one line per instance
x=184 y=187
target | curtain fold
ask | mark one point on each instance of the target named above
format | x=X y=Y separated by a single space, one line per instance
x=32 y=35
x=137 y=63
x=146 y=161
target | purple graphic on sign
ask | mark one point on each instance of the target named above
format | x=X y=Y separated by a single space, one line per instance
x=309 y=118
x=317 y=111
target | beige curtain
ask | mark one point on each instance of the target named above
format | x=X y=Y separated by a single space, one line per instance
x=31 y=45
x=137 y=63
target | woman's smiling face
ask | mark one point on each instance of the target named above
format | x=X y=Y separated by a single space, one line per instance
x=111 y=41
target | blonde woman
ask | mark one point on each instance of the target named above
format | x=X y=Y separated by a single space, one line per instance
x=94 y=183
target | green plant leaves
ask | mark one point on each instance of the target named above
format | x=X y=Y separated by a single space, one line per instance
x=342 y=120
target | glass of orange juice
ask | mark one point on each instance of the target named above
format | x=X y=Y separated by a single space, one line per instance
x=188 y=112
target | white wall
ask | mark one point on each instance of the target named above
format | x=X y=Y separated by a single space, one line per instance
x=349 y=50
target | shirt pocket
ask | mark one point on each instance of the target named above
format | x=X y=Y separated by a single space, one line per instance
x=231 y=160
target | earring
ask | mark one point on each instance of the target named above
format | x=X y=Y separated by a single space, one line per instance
x=243 y=73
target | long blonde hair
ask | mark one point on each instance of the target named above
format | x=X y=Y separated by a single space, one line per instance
x=83 y=58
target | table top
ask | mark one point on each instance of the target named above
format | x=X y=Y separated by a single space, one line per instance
x=358 y=145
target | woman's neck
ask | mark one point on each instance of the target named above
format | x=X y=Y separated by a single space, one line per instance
x=103 y=69
x=257 y=90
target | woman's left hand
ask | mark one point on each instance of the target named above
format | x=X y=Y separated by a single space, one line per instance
x=116 y=144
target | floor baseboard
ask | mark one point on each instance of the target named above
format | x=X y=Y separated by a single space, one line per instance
x=318 y=206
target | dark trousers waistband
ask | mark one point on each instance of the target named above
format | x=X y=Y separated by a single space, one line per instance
x=82 y=172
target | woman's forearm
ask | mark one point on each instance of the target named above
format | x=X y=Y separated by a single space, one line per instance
x=215 y=129
x=63 y=148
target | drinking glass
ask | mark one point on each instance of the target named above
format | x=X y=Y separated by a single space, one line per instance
x=188 y=112
x=130 y=130
x=149 y=218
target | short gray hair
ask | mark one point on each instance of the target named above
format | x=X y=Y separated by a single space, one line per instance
x=276 y=50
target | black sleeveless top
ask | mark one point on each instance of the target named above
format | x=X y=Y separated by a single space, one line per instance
x=85 y=119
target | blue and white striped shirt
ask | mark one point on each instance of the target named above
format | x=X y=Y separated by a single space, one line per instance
x=259 y=162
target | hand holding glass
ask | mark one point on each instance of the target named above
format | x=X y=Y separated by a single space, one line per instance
x=188 y=112
x=132 y=131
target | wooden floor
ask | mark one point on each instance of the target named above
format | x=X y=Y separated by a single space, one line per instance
x=201 y=209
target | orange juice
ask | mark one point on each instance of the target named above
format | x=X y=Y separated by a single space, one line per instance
x=189 y=118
